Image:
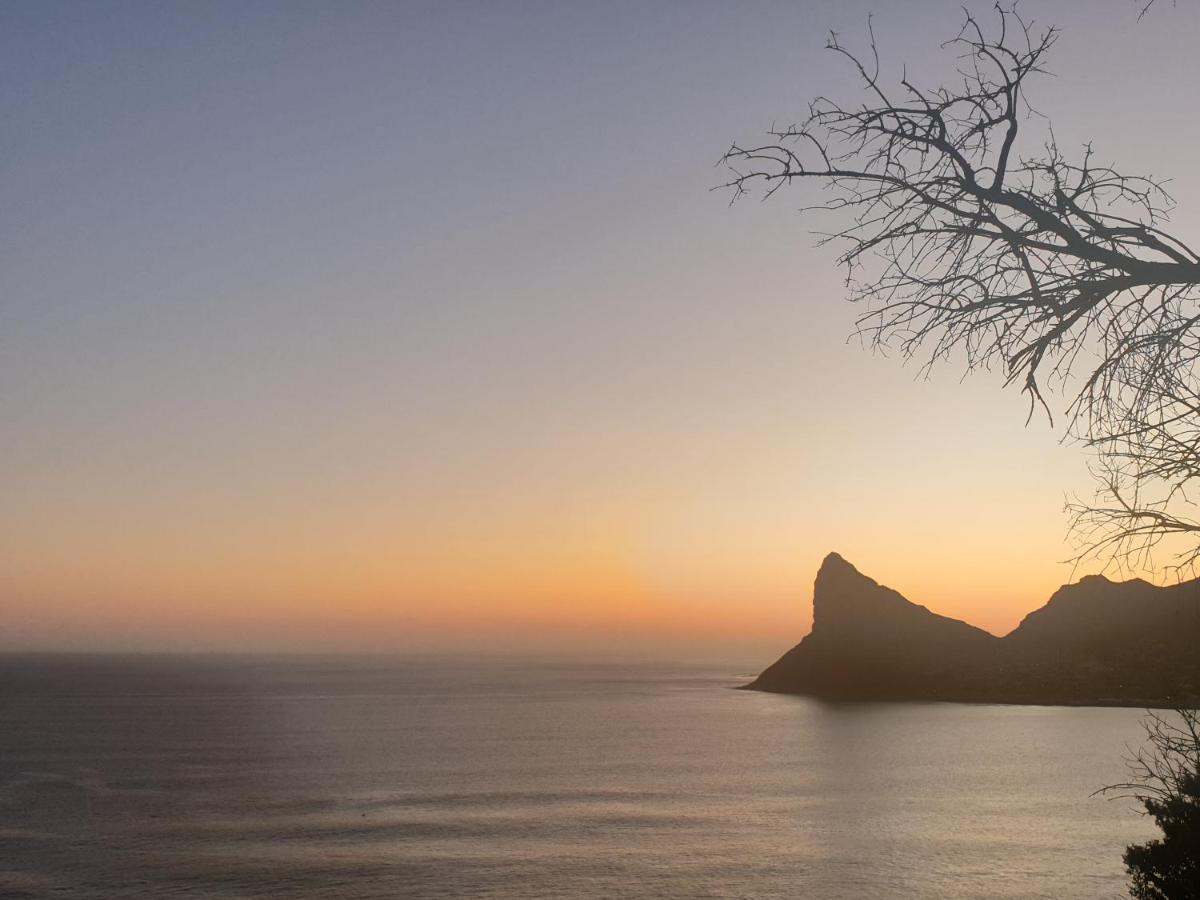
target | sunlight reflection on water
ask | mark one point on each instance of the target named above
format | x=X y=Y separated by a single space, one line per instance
x=365 y=778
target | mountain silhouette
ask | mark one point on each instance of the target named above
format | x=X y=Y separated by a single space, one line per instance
x=1095 y=642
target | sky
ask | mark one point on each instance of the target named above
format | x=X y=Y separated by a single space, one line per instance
x=417 y=326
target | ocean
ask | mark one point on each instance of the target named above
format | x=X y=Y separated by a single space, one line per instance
x=367 y=777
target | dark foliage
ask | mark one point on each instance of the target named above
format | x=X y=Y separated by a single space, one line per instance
x=1166 y=781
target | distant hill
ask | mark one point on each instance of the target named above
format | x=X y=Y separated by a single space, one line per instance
x=1095 y=642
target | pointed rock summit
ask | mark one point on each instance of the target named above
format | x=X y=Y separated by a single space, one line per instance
x=1094 y=642
x=851 y=606
x=867 y=640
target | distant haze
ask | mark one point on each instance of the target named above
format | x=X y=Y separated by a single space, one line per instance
x=416 y=326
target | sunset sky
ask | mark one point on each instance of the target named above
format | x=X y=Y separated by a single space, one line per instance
x=417 y=326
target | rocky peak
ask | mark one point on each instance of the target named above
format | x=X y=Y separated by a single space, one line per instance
x=848 y=604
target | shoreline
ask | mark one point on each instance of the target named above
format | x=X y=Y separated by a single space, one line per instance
x=1096 y=702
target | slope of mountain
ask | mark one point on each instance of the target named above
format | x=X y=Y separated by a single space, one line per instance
x=1094 y=642
x=868 y=640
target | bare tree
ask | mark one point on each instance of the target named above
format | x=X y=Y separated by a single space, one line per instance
x=960 y=241
x=1165 y=781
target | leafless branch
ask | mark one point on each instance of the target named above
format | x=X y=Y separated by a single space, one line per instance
x=961 y=243
x=1168 y=760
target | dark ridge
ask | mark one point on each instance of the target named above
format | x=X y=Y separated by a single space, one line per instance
x=1096 y=642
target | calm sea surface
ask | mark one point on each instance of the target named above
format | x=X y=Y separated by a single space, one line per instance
x=366 y=778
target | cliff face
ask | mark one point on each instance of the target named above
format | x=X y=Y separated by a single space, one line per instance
x=1097 y=641
x=849 y=606
x=868 y=640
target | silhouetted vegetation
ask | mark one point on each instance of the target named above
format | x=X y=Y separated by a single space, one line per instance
x=1166 y=782
x=963 y=242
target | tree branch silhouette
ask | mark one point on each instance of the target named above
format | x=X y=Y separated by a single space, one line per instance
x=960 y=242
x=1165 y=781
